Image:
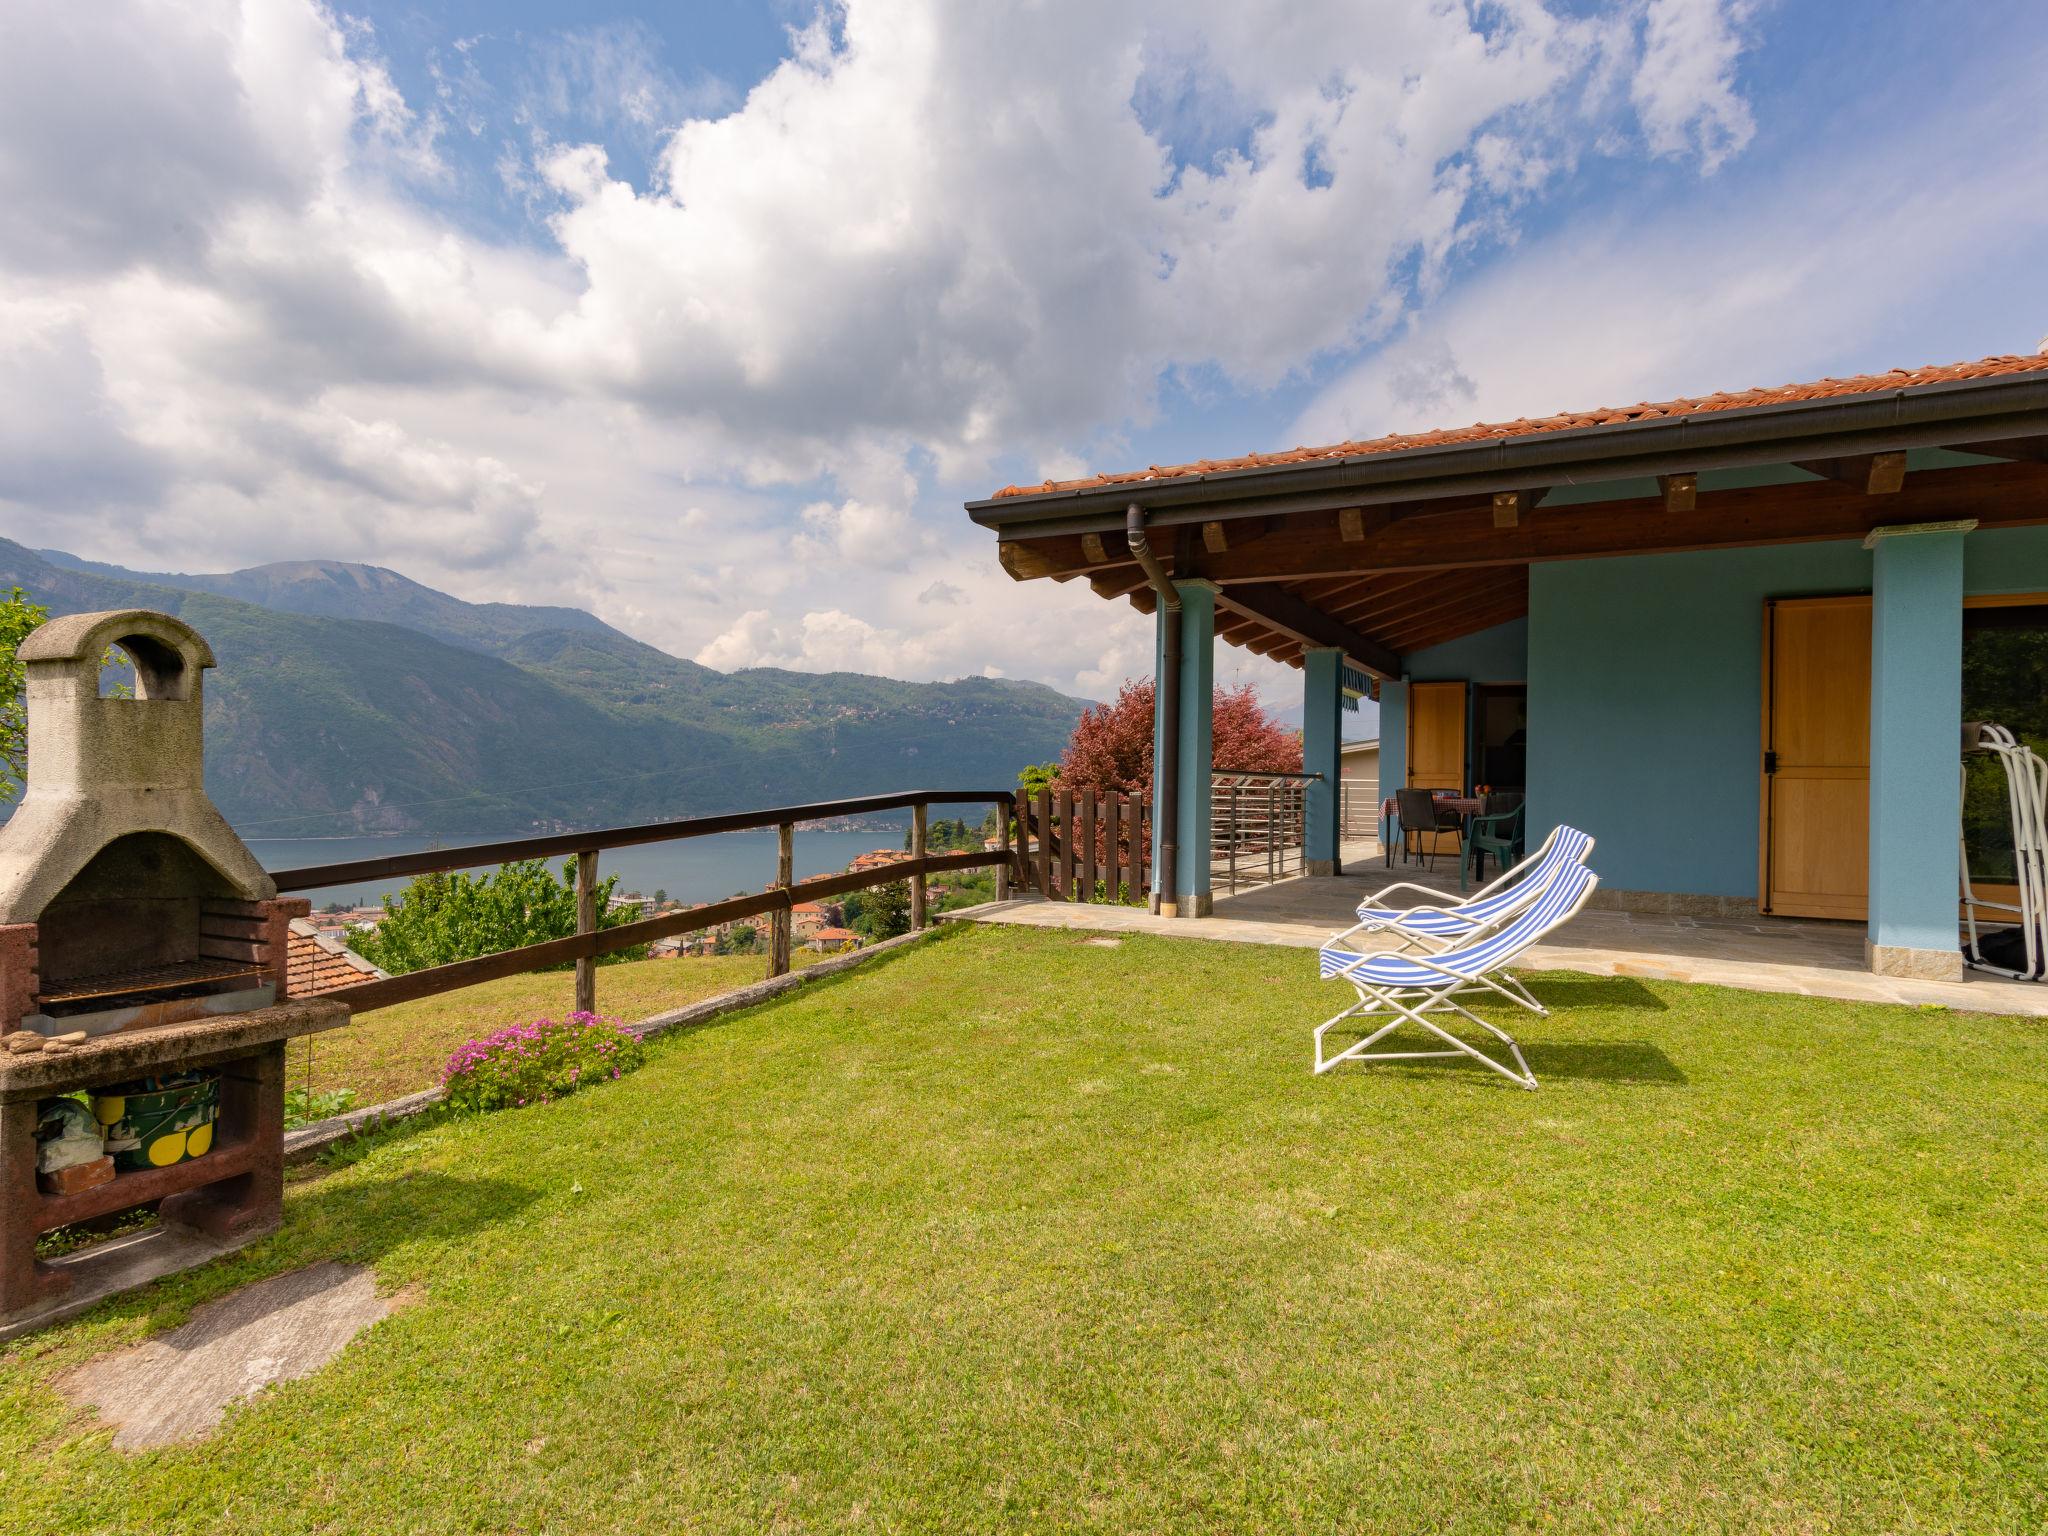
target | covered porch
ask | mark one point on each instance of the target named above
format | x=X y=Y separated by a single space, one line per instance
x=1754 y=953
x=1724 y=635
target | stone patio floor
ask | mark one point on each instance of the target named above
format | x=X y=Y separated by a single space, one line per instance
x=1759 y=954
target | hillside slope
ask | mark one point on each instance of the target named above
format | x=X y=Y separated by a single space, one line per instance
x=421 y=713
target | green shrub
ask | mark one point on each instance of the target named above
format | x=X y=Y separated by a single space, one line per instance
x=443 y=917
x=302 y=1106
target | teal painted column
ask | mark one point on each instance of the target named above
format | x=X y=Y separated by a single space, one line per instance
x=1322 y=706
x=1164 y=755
x=1197 y=695
x=1916 y=711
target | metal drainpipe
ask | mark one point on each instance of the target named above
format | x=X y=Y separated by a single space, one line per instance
x=1167 y=807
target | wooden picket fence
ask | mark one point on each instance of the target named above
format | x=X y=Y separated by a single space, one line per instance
x=1090 y=845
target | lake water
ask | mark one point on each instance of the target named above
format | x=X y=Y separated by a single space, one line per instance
x=692 y=869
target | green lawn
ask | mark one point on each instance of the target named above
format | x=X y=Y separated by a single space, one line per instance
x=1011 y=1232
x=400 y=1050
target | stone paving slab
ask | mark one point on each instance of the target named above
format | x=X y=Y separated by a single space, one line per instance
x=176 y=1387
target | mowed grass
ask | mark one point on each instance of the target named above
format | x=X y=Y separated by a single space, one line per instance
x=397 y=1051
x=1009 y=1232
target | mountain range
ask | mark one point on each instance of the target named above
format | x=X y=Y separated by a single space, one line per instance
x=350 y=699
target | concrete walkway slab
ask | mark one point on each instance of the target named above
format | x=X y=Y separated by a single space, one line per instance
x=176 y=1388
x=1760 y=954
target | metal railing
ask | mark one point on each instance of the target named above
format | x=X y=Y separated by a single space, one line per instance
x=589 y=941
x=1256 y=827
x=1358 y=809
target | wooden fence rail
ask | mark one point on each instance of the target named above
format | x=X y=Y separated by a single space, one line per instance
x=589 y=941
x=1087 y=845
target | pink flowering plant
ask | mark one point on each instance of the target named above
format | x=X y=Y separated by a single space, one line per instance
x=533 y=1063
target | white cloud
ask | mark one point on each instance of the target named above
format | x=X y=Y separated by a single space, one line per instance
x=1684 y=91
x=1888 y=271
x=932 y=235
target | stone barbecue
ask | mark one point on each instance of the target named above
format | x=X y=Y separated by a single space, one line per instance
x=142 y=951
x=125 y=897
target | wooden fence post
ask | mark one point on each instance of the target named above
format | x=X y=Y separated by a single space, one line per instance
x=917 y=851
x=1004 y=809
x=1141 y=849
x=781 y=918
x=1044 y=819
x=1086 y=891
x=1066 y=845
x=586 y=922
x=1133 y=873
x=1106 y=863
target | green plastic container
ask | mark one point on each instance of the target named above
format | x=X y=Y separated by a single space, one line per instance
x=160 y=1120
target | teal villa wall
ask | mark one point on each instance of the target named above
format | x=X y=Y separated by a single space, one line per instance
x=1497 y=655
x=1645 y=695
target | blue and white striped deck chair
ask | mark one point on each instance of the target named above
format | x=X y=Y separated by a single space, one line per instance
x=1406 y=988
x=1434 y=926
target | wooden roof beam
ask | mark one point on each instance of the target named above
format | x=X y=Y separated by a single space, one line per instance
x=1465 y=621
x=1279 y=609
x=1028 y=559
x=1356 y=524
x=1473 y=599
x=2031 y=450
x=1118 y=583
x=1509 y=507
x=1442 y=590
x=1875 y=474
x=1681 y=493
x=1219 y=536
x=1997 y=495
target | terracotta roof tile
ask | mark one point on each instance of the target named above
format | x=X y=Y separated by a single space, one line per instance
x=1482 y=431
x=316 y=963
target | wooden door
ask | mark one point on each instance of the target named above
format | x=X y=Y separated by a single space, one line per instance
x=1436 y=736
x=1816 y=770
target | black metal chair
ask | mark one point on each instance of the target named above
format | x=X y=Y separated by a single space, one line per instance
x=1418 y=813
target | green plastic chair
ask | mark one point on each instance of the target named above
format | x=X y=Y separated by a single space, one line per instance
x=1499 y=834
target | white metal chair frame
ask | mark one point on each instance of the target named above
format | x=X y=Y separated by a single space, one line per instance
x=1496 y=902
x=1410 y=986
x=2026 y=794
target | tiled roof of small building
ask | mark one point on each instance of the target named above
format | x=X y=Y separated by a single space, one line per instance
x=1485 y=431
x=317 y=962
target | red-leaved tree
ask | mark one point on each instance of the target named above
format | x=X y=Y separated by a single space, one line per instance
x=1111 y=747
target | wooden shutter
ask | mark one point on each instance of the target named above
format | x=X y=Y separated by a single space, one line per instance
x=1436 y=736
x=1815 y=859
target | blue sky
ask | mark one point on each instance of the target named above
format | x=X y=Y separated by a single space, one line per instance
x=708 y=317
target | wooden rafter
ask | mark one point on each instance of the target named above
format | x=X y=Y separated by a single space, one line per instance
x=1462 y=625
x=2005 y=495
x=1281 y=610
x=1117 y=583
x=1875 y=474
x=1444 y=590
x=1509 y=507
x=2032 y=450
x=1451 y=623
x=1680 y=492
x=1458 y=533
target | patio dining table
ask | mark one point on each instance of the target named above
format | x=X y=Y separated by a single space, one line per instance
x=1465 y=806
